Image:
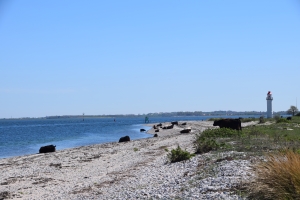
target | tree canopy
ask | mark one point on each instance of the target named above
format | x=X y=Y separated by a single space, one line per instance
x=292 y=110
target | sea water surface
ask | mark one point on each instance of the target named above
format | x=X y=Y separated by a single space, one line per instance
x=23 y=137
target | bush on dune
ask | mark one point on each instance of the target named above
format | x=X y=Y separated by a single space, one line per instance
x=204 y=145
x=282 y=120
x=177 y=155
x=219 y=132
x=278 y=177
x=206 y=141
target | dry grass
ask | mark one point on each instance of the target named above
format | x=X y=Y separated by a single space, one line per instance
x=278 y=177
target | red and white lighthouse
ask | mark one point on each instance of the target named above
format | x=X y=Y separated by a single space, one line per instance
x=269 y=104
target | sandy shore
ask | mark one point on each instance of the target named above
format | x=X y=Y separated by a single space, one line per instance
x=130 y=170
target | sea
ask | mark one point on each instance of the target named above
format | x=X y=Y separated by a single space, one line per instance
x=25 y=136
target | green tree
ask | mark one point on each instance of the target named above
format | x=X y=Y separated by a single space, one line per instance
x=292 y=111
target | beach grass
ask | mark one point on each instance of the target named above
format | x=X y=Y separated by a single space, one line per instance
x=278 y=177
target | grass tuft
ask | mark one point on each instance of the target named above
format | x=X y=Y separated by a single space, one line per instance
x=278 y=177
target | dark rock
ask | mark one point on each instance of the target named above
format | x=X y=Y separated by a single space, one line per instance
x=156 y=130
x=142 y=130
x=187 y=130
x=170 y=127
x=47 y=149
x=124 y=139
x=183 y=124
x=174 y=123
x=5 y=195
x=155 y=135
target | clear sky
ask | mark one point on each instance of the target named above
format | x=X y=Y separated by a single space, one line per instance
x=133 y=57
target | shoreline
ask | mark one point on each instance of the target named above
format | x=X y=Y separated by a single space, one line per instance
x=129 y=170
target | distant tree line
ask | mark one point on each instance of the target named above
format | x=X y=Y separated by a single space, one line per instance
x=173 y=114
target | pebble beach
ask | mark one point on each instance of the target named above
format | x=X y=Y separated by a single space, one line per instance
x=130 y=170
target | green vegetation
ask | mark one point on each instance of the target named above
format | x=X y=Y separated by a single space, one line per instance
x=135 y=149
x=207 y=140
x=220 y=132
x=177 y=155
x=278 y=141
x=255 y=140
x=262 y=120
x=204 y=145
x=282 y=120
x=292 y=110
x=277 y=117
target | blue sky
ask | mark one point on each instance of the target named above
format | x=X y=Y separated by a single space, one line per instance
x=122 y=57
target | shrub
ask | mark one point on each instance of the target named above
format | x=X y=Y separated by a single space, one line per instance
x=262 y=120
x=177 y=155
x=206 y=141
x=219 y=132
x=204 y=145
x=282 y=120
x=298 y=114
x=278 y=177
x=277 y=117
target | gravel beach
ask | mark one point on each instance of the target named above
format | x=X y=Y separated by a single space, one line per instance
x=131 y=170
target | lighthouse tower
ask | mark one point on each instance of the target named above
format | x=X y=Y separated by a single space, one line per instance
x=269 y=104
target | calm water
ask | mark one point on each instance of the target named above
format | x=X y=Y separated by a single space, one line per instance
x=21 y=137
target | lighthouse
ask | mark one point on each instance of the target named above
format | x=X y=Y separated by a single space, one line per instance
x=269 y=104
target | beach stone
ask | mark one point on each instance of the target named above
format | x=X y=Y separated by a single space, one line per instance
x=47 y=149
x=174 y=123
x=124 y=139
x=170 y=127
x=188 y=130
x=4 y=195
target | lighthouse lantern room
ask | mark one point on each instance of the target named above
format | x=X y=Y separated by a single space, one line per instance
x=269 y=104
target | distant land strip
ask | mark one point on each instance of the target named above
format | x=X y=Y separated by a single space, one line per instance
x=162 y=114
